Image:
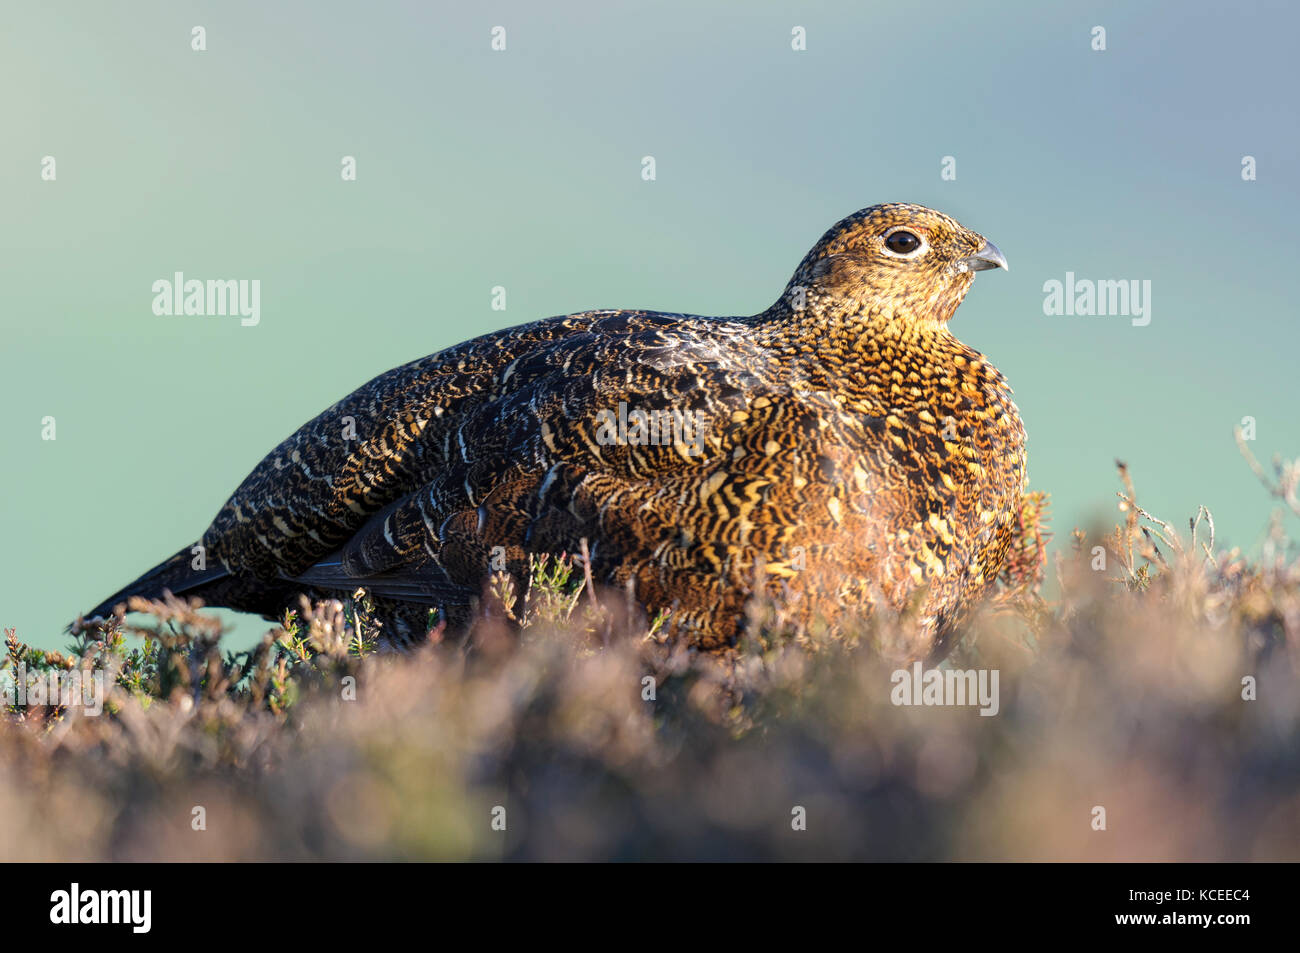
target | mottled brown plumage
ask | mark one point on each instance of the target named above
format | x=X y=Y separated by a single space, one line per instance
x=852 y=453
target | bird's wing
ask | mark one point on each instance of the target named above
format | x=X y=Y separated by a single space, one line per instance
x=540 y=467
x=310 y=494
x=480 y=441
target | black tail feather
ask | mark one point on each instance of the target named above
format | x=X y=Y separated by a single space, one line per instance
x=423 y=585
x=176 y=575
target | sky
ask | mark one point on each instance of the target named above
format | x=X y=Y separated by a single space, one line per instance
x=522 y=168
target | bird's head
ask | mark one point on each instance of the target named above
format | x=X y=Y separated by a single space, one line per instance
x=900 y=261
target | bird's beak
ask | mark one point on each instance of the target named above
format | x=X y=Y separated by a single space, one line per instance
x=989 y=256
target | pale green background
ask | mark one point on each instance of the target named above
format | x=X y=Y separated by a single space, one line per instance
x=522 y=169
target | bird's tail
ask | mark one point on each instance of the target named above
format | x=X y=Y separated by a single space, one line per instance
x=176 y=575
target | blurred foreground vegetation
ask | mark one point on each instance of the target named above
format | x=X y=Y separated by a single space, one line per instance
x=1161 y=684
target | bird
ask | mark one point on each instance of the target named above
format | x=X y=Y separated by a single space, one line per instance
x=839 y=451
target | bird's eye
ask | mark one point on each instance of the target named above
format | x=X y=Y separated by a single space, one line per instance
x=903 y=243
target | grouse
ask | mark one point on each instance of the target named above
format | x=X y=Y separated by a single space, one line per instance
x=841 y=450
